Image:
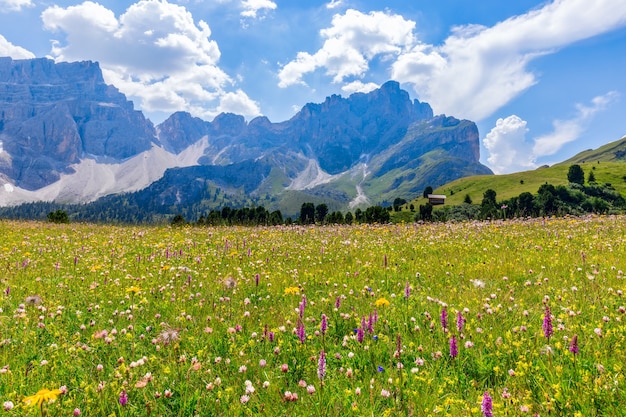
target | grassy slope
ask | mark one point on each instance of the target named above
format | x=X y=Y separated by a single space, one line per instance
x=606 y=153
x=510 y=185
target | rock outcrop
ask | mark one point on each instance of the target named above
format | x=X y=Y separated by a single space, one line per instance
x=53 y=114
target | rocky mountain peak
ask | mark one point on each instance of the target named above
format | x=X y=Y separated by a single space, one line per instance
x=53 y=114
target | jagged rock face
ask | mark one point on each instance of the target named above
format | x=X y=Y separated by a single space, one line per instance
x=340 y=131
x=53 y=114
x=366 y=147
x=337 y=133
x=180 y=130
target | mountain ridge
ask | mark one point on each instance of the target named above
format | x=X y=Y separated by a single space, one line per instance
x=62 y=129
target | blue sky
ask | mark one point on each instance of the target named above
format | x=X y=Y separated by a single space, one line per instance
x=543 y=80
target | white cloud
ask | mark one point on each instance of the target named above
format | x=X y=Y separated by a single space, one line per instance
x=507 y=146
x=359 y=87
x=566 y=131
x=350 y=43
x=14 y=5
x=155 y=53
x=15 y=52
x=510 y=151
x=239 y=103
x=251 y=8
x=478 y=69
x=334 y=4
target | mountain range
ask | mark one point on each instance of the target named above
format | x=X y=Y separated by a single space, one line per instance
x=67 y=136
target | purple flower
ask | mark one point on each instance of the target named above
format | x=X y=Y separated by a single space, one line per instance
x=444 y=318
x=454 y=348
x=338 y=302
x=573 y=345
x=407 y=290
x=547 y=323
x=370 y=324
x=323 y=324
x=487 y=405
x=460 y=322
x=256 y=280
x=123 y=398
x=301 y=307
x=359 y=334
x=321 y=365
x=301 y=332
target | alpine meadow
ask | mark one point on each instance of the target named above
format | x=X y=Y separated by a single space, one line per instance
x=500 y=318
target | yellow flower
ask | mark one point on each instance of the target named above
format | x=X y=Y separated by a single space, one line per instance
x=292 y=290
x=134 y=289
x=42 y=395
x=381 y=302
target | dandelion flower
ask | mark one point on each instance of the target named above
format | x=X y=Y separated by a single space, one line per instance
x=43 y=395
x=230 y=282
x=292 y=290
x=34 y=300
x=134 y=289
x=381 y=302
x=168 y=336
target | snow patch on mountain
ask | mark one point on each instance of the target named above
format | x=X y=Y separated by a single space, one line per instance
x=311 y=176
x=92 y=179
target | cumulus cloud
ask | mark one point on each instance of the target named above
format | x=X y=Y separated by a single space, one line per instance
x=15 y=52
x=154 y=52
x=239 y=103
x=251 y=8
x=353 y=40
x=359 y=87
x=479 y=69
x=509 y=149
x=507 y=146
x=14 y=5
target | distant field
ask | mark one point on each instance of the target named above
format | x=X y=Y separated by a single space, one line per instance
x=512 y=185
x=439 y=320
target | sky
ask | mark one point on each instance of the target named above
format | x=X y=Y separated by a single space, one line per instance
x=543 y=80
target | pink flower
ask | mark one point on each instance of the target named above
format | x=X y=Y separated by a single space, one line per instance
x=487 y=405
x=321 y=366
x=123 y=400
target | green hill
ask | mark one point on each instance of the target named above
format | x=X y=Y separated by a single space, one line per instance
x=608 y=164
x=611 y=152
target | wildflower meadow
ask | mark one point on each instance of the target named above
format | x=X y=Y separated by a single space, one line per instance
x=508 y=318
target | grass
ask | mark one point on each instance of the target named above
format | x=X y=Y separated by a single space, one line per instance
x=136 y=321
x=511 y=185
